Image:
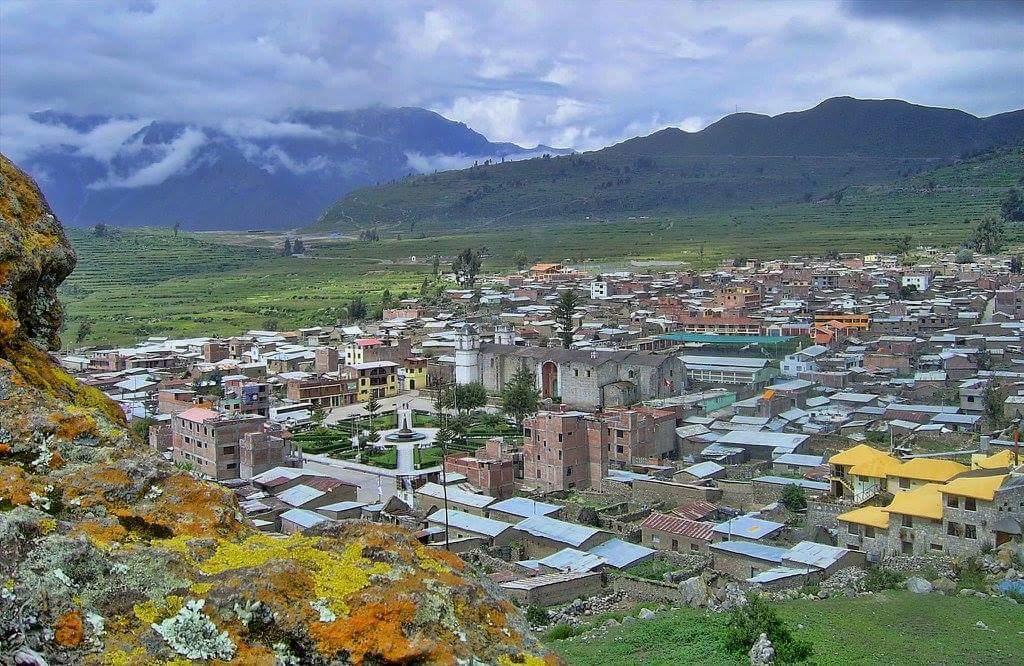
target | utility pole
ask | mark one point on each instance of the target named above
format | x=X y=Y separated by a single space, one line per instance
x=444 y=469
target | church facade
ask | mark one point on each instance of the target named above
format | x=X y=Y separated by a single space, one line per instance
x=580 y=378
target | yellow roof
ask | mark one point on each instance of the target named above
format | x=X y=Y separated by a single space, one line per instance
x=877 y=468
x=768 y=394
x=855 y=455
x=1003 y=458
x=872 y=516
x=925 y=502
x=929 y=469
x=978 y=487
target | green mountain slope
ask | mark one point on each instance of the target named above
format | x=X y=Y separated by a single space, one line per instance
x=741 y=161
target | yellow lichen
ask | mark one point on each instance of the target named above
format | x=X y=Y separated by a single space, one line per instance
x=200 y=589
x=47 y=525
x=335 y=574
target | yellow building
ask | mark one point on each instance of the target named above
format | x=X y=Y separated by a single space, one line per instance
x=861 y=472
x=917 y=472
x=378 y=379
x=1004 y=458
x=861 y=322
x=415 y=374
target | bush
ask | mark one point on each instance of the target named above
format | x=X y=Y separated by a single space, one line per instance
x=536 y=616
x=560 y=632
x=746 y=624
x=588 y=516
x=971 y=575
x=794 y=498
x=878 y=579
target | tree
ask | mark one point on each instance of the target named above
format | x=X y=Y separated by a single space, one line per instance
x=140 y=427
x=466 y=267
x=1015 y=264
x=465 y=397
x=271 y=324
x=357 y=308
x=794 y=498
x=904 y=244
x=588 y=516
x=298 y=247
x=520 y=397
x=1011 y=208
x=177 y=228
x=425 y=288
x=386 y=299
x=520 y=259
x=906 y=291
x=99 y=229
x=994 y=406
x=84 y=331
x=435 y=263
x=564 y=311
x=964 y=256
x=372 y=406
x=287 y=252
x=988 y=236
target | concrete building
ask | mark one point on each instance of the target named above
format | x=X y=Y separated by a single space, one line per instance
x=212 y=443
x=753 y=372
x=663 y=531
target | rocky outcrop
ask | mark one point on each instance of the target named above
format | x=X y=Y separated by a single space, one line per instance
x=109 y=555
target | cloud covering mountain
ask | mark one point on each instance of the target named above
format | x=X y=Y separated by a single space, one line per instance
x=240 y=174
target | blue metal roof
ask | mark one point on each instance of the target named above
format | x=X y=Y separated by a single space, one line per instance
x=748 y=527
x=570 y=559
x=756 y=550
x=806 y=484
x=524 y=507
x=469 y=522
x=556 y=530
x=620 y=554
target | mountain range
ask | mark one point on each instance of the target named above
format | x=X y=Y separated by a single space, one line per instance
x=740 y=161
x=242 y=175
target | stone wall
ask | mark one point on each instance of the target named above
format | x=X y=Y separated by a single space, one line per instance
x=738 y=494
x=643 y=589
x=673 y=494
x=823 y=513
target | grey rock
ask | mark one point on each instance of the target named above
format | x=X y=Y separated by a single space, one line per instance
x=629 y=619
x=695 y=592
x=918 y=585
x=966 y=592
x=762 y=652
x=646 y=614
x=944 y=584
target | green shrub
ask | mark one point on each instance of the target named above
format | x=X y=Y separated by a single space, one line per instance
x=879 y=578
x=536 y=616
x=560 y=632
x=794 y=498
x=971 y=575
x=758 y=617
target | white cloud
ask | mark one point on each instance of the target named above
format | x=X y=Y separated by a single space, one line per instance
x=495 y=116
x=177 y=155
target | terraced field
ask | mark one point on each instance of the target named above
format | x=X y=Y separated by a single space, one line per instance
x=137 y=283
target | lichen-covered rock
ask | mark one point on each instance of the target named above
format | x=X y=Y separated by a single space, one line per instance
x=109 y=555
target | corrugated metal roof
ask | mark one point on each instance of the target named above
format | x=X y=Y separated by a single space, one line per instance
x=524 y=507
x=748 y=527
x=695 y=510
x=556 y=530
x=811 y=554
x=786 y=481
x=304 y=518
x=547 y=579
x=703 y=469
x=756 y=550
x=469 y=522
x=455 y=495
x=620 y=554
x=299 y=495
x=570 y=559
x=681 y=526
x=775 y=574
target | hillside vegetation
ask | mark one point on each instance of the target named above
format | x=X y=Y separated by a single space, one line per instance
x=743 y=160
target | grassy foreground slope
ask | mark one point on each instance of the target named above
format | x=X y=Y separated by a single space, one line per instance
x=885 y=628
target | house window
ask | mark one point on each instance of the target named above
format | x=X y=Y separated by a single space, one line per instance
x=908 y=521
x=675 y=544
x=538 y=471
x=869 y=532
x=951 y=500
x=576 y=373
x=229 y=449
x=693 y=547
x=853 y=530
x=970 y=504
x=952 y=529
x=568 y=471
x=904 y=484
x=970 y=531
x=907 y=547
x=559 y=454
x=232 y=465
x=618 y=449
x=936 y=546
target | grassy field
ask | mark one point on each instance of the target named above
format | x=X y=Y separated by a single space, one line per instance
x=141 y=282
x=885 y=628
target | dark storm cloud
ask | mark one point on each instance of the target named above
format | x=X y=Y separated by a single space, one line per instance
x=571 y=73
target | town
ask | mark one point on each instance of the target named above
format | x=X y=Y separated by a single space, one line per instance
x=803 y=427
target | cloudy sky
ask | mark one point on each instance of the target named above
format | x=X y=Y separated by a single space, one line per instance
x=567 y=73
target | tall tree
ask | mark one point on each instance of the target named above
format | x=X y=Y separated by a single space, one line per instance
x=298 y=247
x=99 y=229
x=466 y=267
x=386 y=299
x=904 y=243
x=84 y=331
x=988 y=235
x=435 y=263
x=357 y=308
x=1011 y=208
x=520 y=397
x=1015 y=264
x=177 y=228
x=521 y=259
x=564 y=311
x=287 y=251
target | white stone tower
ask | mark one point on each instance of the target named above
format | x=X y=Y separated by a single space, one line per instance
x=504 y=335
x=467 y=355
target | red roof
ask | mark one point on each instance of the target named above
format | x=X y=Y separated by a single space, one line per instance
x=696 y=510
x=198 y=414
x=369 y=342
x=688 y=528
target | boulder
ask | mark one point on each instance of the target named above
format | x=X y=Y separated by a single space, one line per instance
x=646 y=614
x=918 y=585
x=762 y=652
x=944 y=585
x=695 y=592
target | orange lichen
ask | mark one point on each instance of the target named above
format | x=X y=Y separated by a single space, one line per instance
x=102 y=535
x=373 y=631
x=15 y=486
x=23 y=194
x=69 y=629
x=5 y=449
x=191 y=507
x=72 y=426
x=56 y=460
